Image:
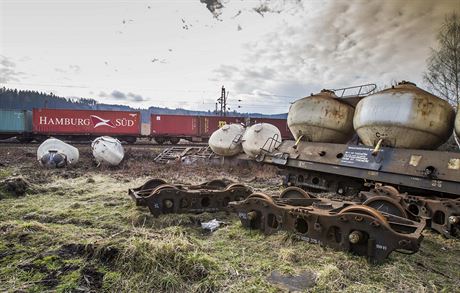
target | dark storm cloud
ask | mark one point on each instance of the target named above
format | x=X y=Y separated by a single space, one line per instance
x=214 y=6
x=264 y=8
x=118 y=95
x=342 y=43
x=8 y=70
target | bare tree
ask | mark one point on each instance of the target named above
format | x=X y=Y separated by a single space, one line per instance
x=443 y=66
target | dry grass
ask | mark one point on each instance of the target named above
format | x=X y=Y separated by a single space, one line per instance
x=82 y=232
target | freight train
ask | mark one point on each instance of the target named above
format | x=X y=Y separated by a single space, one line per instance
x=379 y=148
x=71 y=124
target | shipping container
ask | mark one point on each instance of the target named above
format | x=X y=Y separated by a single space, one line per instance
x=209 y=124
x=86 y=122
x=14 y=122
x=193 y=128
x=281 y=124
x=174 y=125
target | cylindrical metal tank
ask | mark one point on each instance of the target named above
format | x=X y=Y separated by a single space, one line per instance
x=56 y=153
x=321 y=118
x=226 y=141
x=260 y=136
x=404 y=116
x=108 y=150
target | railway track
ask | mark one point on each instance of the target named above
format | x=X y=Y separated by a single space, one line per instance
x=80 y=143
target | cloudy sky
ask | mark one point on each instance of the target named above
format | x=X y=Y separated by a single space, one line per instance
x=178 y=53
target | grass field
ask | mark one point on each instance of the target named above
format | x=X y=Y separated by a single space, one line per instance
x=77 y=231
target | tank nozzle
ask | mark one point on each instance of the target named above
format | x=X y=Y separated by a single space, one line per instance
x=297 y=142
x=376 y=150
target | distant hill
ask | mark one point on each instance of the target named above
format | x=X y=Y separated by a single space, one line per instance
x=27 y=100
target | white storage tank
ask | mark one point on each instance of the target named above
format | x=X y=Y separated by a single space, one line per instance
x=321 y=117
x=258 y=136
x=404 y=116
x=55 y=153
x=108 y=150
x=226 y=141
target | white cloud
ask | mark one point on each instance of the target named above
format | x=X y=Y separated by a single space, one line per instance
x=295 y=48
x=8 y=72
x=341 y=43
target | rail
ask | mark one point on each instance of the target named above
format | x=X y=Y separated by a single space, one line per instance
x=362 y=90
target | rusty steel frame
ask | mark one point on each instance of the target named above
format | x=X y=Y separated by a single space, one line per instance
x=438 y=172
x=162 y=198
x=442 y=214
x=344 y=226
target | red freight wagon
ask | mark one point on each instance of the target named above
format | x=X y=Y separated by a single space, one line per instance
x=281 y=124
x=173 y=127
x=87 y=123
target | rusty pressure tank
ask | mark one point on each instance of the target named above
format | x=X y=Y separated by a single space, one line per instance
x=404 y=116
x=260 y=136
x=226 y=141
x=321 y=117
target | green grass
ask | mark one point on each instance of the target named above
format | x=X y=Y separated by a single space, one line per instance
x=76 y=233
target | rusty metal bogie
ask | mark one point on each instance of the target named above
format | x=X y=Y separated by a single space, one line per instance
x=345 y=226
x=442 y=214
x=207 y=197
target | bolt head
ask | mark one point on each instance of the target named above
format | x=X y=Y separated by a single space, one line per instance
x=354 y=237
x=454 y=220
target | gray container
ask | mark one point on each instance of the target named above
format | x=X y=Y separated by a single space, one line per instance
x=13 y=122
x=259 y=137
x=404 y=116
x=226 y=141
x=322 y=117
x=56 y=153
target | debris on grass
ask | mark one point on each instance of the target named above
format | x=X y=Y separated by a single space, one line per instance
x=212 y=225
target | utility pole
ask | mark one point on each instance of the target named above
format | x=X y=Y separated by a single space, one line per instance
x=222 y=101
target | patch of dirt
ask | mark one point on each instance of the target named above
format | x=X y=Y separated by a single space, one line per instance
x=91 y=279
x=51 y=279
x=75 y=249
x=16 y=186
x=104 y=254
x=138 y=162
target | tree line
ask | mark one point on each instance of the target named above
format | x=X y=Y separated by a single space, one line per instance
x=29 y=99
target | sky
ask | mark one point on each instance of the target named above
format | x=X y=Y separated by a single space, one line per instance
x=179 y=53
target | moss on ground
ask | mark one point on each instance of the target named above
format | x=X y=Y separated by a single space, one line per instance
x=80 y=234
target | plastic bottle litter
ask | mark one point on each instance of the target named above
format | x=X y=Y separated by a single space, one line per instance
x=212 y=225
